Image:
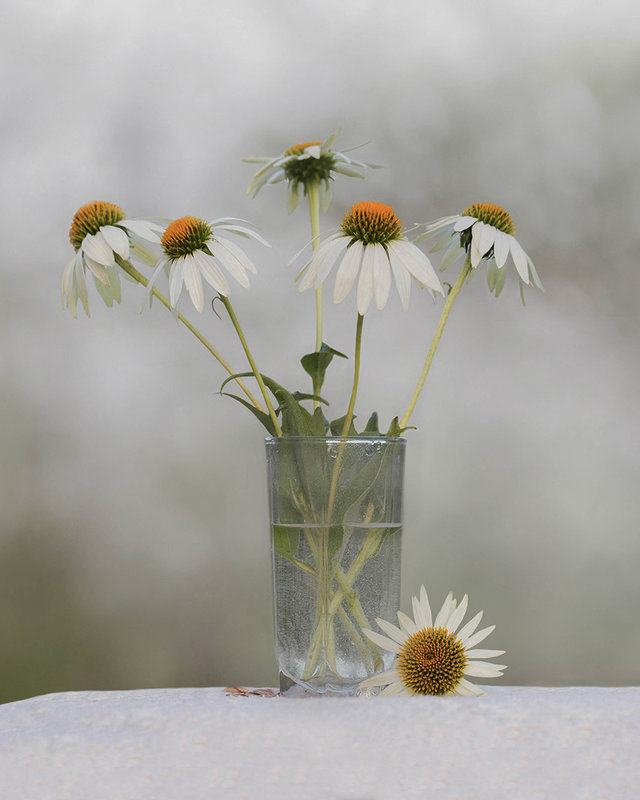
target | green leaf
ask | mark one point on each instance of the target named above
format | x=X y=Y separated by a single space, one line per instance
x=286 y=541
x=264 y=418
x=315 y=364
x=320 y=424
x=296 y=420
x=302 y=396
x=372 y=425
x=337 y=425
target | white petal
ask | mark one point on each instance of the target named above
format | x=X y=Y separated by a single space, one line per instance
x=419 y=615
x=381 y=277
x=444 y=613
x=485 y=237
x=426 y=608
x=469 y=687
x=310 y=276
x=463 y=223
x=381 y=678
x=382 y=641
x=97 y=249
x=347 y=272
x=453 y=623
x=472 y=641
x=117 y=240
x=162 y=263
x=470 y=627
x=439 y=224
x=402 y=278
x=392 y=632
x=483 y=669
x=501 y=248
x=534 y=274
x=193 y=281
x=175 y=281
x=293 y=196
x=98 y=270
x=519 y=259
x=332 y=253
x=484 y=653
x=238 y=253
x=417 y=263
x=365 y=284
x=212 y=273
x=229 y=262
x=147 y=230
x=407 y=624
x=241 y=230
x=394 y=688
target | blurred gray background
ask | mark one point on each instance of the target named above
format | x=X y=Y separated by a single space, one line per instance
x=133 y=512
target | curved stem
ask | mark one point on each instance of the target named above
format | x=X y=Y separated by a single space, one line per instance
x=254 y=367
x=455 y=291
x=128 y=267
x=356 y=377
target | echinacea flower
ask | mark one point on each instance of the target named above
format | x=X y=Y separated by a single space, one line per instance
x=370 y=243
x=101 y=234
x=194 y=249
x=304 y=164
x=484 y=231
x=434 y=656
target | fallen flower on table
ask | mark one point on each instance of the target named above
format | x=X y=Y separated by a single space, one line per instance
x=433 y=656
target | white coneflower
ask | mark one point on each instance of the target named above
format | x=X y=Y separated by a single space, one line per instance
x=101 y=234
x=370 y=244
x=434 y=656
x=195 y=249
x=485 y=231
x=304 y=164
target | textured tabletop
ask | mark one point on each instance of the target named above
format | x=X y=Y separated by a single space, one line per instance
x=198 y=744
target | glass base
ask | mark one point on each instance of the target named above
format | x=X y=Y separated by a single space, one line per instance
x=289 y=688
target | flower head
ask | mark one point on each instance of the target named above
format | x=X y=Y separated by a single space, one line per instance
x=102 y=236
x=304 y=164
x=370 y=242
x=194 y=249
x=484 y=231
x=434 y=656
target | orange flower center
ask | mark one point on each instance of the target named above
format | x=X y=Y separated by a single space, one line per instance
x=298 y=149
x=491 y=215
x=90 y=218
x=184 y=236
x=431 y=661
x=372 y=223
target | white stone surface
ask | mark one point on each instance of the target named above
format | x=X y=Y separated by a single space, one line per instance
x=200 y=744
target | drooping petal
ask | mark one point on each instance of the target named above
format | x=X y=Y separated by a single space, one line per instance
x=463 y=223
x=212 y=273
x=293 y=196
x=310 y=276
x=501 y=248
x=365 y=283
x=229 y=261
x=175 y=281
x=395 y=688
x=534 y=274
x=444 y=613
x=381 y=277
x=330 y=256
x=519 y=259
x=401 y=277
x=117 y=240
x=193 y=281
x=94 y=246
x=484 y=235
x=150 y=231
x=417 y=263
x=347 y=272
x=469 y=687
x=99 y=270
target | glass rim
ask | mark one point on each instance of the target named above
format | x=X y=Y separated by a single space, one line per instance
x=336 y=439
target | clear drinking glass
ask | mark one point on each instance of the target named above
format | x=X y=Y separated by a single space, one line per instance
x=336 y=524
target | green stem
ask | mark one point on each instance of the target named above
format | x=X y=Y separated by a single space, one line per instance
x=138 y=276
x=313 y=196
x=455 y=291
x=252 y=362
